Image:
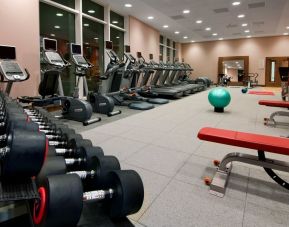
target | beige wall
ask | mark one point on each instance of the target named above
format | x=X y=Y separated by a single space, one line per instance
x=143 y=38
x=203 y=57
x=19 y=25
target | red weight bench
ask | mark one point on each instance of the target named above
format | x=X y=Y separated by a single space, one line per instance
x=260 y=143
x=271 y=121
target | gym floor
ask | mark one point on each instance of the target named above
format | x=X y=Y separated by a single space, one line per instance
x=162 y=146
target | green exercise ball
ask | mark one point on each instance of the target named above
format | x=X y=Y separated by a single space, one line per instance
x=219 y=99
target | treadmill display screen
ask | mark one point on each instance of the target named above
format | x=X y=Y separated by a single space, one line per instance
x=127 y=49
x=108 y=45
x=139 y=54
x=49 y=44
x=7 y=52
x=151 y=56
x=75 y=49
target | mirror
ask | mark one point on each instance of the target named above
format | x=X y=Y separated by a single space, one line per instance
x=236 y=67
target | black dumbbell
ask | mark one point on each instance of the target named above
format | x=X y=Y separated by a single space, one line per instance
x=60 y=204
x=92 y=169
x=24 y=154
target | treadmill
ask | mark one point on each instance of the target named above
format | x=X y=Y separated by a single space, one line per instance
x=154 y=70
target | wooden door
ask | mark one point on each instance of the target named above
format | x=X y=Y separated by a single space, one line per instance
x=272 y=70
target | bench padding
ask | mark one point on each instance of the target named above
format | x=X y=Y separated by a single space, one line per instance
x=272 y=144
x=274 y=103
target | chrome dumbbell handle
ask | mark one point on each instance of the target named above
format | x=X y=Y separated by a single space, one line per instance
x=97 y=195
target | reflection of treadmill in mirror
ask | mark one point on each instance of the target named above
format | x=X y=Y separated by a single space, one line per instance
x=101 y=103
x=140 y=89
x=169 y=92
x=121 y=95
x=10 y=71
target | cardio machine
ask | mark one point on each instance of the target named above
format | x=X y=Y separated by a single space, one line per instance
x=100 y=103
x=52 y=65
x=10 y=70
x=120 y=81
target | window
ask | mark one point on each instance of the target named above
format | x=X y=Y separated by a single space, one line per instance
x=116 y=19
x=272 y=78
x=161 y=52
x=168 y=54
x=68 y=3
x=93 y=46
x=93 y=9
x=168 y=42
x=161 y=39
x=117 y=38
x=62 y=29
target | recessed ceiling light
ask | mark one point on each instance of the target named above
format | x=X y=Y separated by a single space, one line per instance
x=287 y=27
x=193 y=41
x=247 y=31
x=117 y=37
x=286 y=33
x=237 y=62
x=52 y=35
x=248 y=36
x=221 y=38
x=59 y=14
x=185 y=37
x=177 y=32
x=96 y=38
x=244 y=25
x=87 y=43
x=86 y=25
x=128 y=5
x=57 y=26
x=165 y=26
x=150 y=17
x=241 y=16
x=186 y=11
x=91 y=11
x=236 y=3
x=208 y=29
x=215 y=34
x=115 y=22
x=199 y=21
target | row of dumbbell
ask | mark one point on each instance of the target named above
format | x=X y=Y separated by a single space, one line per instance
x=123 y=188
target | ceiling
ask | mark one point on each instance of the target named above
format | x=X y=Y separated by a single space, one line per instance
x=263 y=17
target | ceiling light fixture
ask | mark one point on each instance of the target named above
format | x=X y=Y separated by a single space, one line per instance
x=287 y=27
x=247 y=31
x=165 y=26
x=208 y=29
x=57 y=26
x=177 y=32
x=59 y=14
x=117 y=37
x=91 y=11
x=86 y=25
x=236 y=3
x=221 y=38
x=215 y=34
x=241 y=16
x=115 y=22
x=286 y=33
x=185 y=37
x=128 y=5
x=193 y=41
x=52 y=35
x=150 y=17
x=86 y=43
x=244 y=25
x=248 y=36
x=96 y=38
x=186 y=11
x=199 y=21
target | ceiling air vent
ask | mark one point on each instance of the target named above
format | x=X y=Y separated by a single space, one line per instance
x=232 y=26
x=256 y=5
x=178 y=17
x=221 y=10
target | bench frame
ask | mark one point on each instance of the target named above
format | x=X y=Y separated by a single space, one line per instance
x=220 y=180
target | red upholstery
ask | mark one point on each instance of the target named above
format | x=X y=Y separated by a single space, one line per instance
x=272 y=144
x=261 y=93
x=283 y=104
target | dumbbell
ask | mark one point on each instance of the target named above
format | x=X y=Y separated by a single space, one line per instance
x=60 y=204
x=24 y=154
x=92 y=168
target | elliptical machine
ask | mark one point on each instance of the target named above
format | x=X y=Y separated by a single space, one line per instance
x=52 y=65
x=100 y=103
